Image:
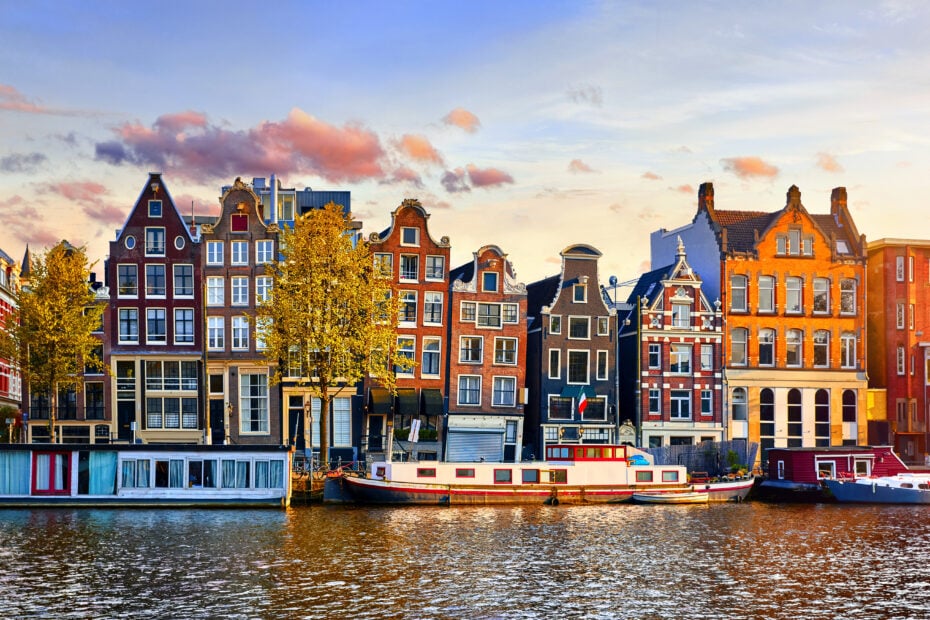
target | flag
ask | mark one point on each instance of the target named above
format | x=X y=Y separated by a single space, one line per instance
x=582 y=402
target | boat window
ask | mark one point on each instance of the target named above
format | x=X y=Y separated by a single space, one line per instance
x=669 y=476
x=781 y=470
x=465 y=472
x=558 y=476
x=503 y=476
x=643 y=476
x=169 y=474
x=593 y=453
x=379 y=472
x=426 y=472
x=862 y=467
x=924 y=486
x=907 y=485
x=530 y=476
x=826 y=469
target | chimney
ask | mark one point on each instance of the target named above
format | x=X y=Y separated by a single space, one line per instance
x=794 y=197
x=837 y=200
x=706 y=197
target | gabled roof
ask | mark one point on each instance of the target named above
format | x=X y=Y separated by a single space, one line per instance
x=409 y=203
x=153 y=180
x=541 y=293
x=649 y=284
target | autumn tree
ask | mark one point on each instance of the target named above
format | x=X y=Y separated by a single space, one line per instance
x=330 y=312
x=49 y=334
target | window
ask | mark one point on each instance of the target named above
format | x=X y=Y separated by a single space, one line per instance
x=179 y=242
x=470 y=349
x=821 y=295
x=899 y=268
x=170 y=376
x=409 y=236
x=184 y=326
x=794 y=339
x=603 y=326
x=128 y=326
x=794 y=242
x=707 y=357
x=602 y=365
x=51 y=473
x=781 y=245
x=579 y=293
x=342 y=422
x=154 y=208
x=738 y=338
x=579 y=328
x=406 y=347
x=910 y=268
x=469 y=390
x=286 y=207
x=680 y=358
x=766 y=294
x=240 y=291
x=822 y=418
x=738 y=404
x=408 y=307
x=821 y=348
x=560 y=408
x=214 y=252
x=489 y=315
x=409 y=266
x=503 y=476
x=848 y=296
x=555 y=363
x=505 y=351
x=680 y=405
x=467 y=311
x=505 y=390
x=253 y=403
x=215 y=291
x=435 y=267
x=155 y=281
x=707 y=402
x=262 y=288
x=127 y=280
x=489 y=281
x=807 y=246
x=767 y=418
x=240 y=333
x=766 y=347
x=655 y=401
x=849 y=406
x=156 y=329
x=578 y=367
x=431 y=353
x=901 y=358
x=264 y=249
x=910 y=316
x=384 y=264
x=239 y=253
x=848 y=350
x=793 y=295
x=655 y=355
x=555 y=324
x=130 y=242
x=154 y=241
x=216 y=333
x=795 y=418
x=183 y=280
x=510 y=313
x=738 y=293
x=681 y=315
x=432 y=308
x=93 y=400
x=899 y=315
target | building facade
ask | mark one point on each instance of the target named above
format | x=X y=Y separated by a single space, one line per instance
x=792 y=288
x=486 y=360
x=571 y=357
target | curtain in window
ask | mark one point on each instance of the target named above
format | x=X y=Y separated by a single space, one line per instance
x=143 y=473
x=103 y=473
x=277 y=475
x=43 y=465
x=209 y=474
x=61 y=471
x=242 y=474
x=129 y=474
x=261 y=475
x=176 y=474
x=14 y=473
x=229 y=474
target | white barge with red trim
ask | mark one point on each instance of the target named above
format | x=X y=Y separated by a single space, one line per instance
x=571 y=474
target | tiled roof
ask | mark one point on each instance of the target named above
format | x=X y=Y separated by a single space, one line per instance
x=741 y=225
x=541 y=293
x=647 y=280
x=465 y=273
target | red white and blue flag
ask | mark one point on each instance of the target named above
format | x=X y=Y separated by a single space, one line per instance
x=582 y=402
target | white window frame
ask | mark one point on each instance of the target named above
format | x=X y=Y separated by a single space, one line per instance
x=899 y=268
x=152 y=247
x=404 y=274
x=707 y=357
x=416 y=236
x=409 y=352
x=247 y=402
x=432 y=298
x=239 y=253
x=262 y=288
x=797 y=292
x=555 y=323
x=603 y=362
x=577 y=320
x=216 y=291
x=119 y=282
x=766 y=301
x=557 y=353
x=130 y=312
x=738 y=282
x=239 y=291
x=428 y=343
x=430 y=265
x=676 y=364
x=163 y=339
x=264 y=251
x=676 y=399
x=215 y=252
x=463 y=349
x=499 y=340
x=164 y=276
x=189 y=341
x=239 y=333
x=512 y=392
x=824 y=291
x=568 y=366
x=460 y=391
x=174 y=281
x=216 y=333
x=654 y=351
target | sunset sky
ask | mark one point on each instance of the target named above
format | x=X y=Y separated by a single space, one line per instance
x=530 y=125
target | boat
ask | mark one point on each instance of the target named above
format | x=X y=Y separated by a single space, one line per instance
x=570 y=474
x=904 y=488
x=675 y=497
x=151 y=475
x=797 y=474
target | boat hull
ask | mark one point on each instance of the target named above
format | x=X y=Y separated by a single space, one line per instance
x=670 y=498
x=876 y=493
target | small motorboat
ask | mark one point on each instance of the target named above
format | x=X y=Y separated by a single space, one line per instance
x=652 y=497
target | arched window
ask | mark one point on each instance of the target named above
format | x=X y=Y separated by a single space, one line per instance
x=738 y=293
x=766 y=294
x=766 y=418
x=738 y=342
x=822 y=417
x=821 y=348
x=766 y=347
x=849 y=405
x=795 y=418
x=848 y=350
x=794 y=339
x=738 y=404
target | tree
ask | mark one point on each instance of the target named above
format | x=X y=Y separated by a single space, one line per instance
x=49 y=335
x=330 y=311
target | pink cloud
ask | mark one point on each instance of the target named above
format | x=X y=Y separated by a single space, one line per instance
x=419 y=149
x=89 y=196
x=455 y=181
x=684 y=189
x=181 y=121
x=652 y=176
x=576 y=166
x=81 y=191
x=25 y=223
x=747 y=167
x=828 y=162
x=210 y=208
x=403 y=174
x=488 y=177
x=12 y=99
x=463 y=119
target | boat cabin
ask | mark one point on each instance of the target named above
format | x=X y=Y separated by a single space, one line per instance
x=811 y=465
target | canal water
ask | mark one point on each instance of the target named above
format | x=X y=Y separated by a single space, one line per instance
x=750 y=560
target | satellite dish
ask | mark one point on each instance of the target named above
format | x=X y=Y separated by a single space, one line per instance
x=613 y=280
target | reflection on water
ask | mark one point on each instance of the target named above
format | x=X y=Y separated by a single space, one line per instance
x=748 y=560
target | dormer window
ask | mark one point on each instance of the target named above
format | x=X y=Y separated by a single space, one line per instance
x=409 y=236
x=489 y=282
x=154 y=208
x=579 y=293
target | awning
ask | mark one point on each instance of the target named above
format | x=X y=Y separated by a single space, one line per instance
x=379 y=401
x=432 y=401
x=574 y=391
x=407 y=402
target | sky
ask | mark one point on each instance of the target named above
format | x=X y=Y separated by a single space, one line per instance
x=531 y=125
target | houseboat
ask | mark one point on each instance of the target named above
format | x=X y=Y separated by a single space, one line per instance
x=571 y=474
x=797 y=474
x=903 y=488
x=112 y=475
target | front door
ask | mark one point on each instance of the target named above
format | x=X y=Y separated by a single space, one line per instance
x=125 y=416
x=376 y=433
x=217 y=423
x=295 y=423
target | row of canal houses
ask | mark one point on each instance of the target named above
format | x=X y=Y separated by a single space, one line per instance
x=752 y=325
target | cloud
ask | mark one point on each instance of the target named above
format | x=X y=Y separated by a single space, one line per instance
x=455 y=181
x=403 y=174
x=587 y=94
x=188 y=146
x=90 y=197
x=22 y=162
x=576 y=166
x=747 y=167
x=652 y=176
x=463 y=119
x=201 y=206
x=828 y=162
x=487 y=177
x=419 y=149
x=25 y=223
x=12 y=99
x=684 y=189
